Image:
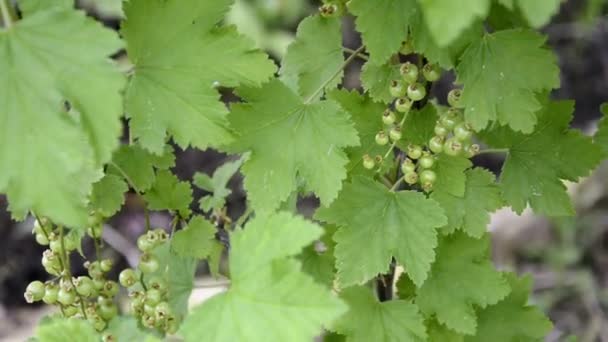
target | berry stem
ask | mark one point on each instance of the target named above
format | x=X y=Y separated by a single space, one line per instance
x=330 y=79
x=397 y=184
x=392 y=147
x=6 y=16
x=147 y=218
x=68 y=271
x=494 y=150
x=353 y=52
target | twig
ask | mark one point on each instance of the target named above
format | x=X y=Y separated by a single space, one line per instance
x=6 y=16
x=359 y=54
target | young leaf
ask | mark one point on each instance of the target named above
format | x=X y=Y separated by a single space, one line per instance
x=447 y=19
x=108 y=195
x=318 y=260
x=461 y=277
x=501 y=73
x=537 y=13
x=289 y=138
x=52 y=57
x=601 y=136
x=181 y=56
x=366 y=115
x=270 y=299
x=137 y=165
x=512 y=319
x=534 y=169
x=385 y=224
x=67 y=329
x=383 y=25
x=418 y=126
x=315 y=56
x=217 y=184
x=376 y=80
x=451 y=174
x=471 y=213
x=195 y=240
x=368 y=319
x=169 y=193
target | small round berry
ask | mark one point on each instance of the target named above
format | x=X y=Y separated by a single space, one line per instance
x=107 y=312
x=408 y=166
x=436 y=144
x=70 y=311
x=157 y=283
x=406 y=48
x=50 y=293
x=56 y=246
x=411 y=178
x=471 y=150
x=110 y=288
x=409 y=72
x=426 y=161
x=66 y=297
x=414 y=151
x=454 y=97
x=107 y=337
x=428 y=176
x=463 y=132
x=161 y=235
x=381 y=138
x=98 y=283
x=106 y=265
x=153 y=297
x=95 y=271
x=137 y=297
x=388 y=117
x=37 y=228
x=51 y=263
x=452 y=147
x=368 y=162
x=84 y=286
x=148 y=321
x=431 y=72
x=128 y=277
x=328 y=10
x=378 y=159
x=144 y=244
x=98 y=323
x=95 y=230
x=153 y=237
x=148 y=263
x=397 y=89
x=41 y=239
x=162 y=311
x=450 y=118
x=416 y=91
x=34 y=291
x=403 y=104
x=440 y=130
x=395 y=133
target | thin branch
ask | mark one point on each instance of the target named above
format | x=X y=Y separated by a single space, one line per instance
x=493 y=151
x=397 y=184
x=6 y=16
x=354 y=52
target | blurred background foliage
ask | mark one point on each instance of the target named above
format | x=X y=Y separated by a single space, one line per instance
x=568 y=257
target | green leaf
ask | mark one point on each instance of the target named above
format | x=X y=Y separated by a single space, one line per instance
x=270 y=298
x=419 y=126
x=538 y=13
x=169 y=193
x=384 y=224
x=451 y=174
x=137 y=165
x=275 y=125
x=108 y=195
x=195 y=240
x=501 y=73
x=512 y=319
x=318 y=259
x=368 y=319
x=55 y=56
x=126 y=328
x=376 y=80
x=439 y=333
x=601 y=136
x=67 y=330
x=462 y=277
x=535 y=168
x=315 y=56
x=366 y=115
x=383 y=25
x=181 y=56
x=447 y=19
x=217 y=184
x=471 y=213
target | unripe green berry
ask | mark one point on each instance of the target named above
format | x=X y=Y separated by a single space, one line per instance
x=378 y=159
x=411 y=178
x=70 y=311
x=157 y=283
x=66 y=297
x=152 y=237
x=397 y=89
x=408 y=166
x=153 y=297
x=162 y=311
x=148 y=321
x=98 y=283
x=41 y=239
x=161 y=235
x=471 y=150
x=388 y=117
x=414 y=151
x=416 y=91
x=428 y=176
x=144 y=244
x=436 y=144
x=106 y=265
x=94 y=269
x=463 y=132
x=37 y=228
x=426 y=161
x=50 y=293
x=406 y=48
x=128 y=277
x=395 y=134
x=98 y=323
x=451 y=118
x=452 y=147
x=107 y=312
x=84 y=286
x=440 y=130
x=107 y=337
x=56 y=246
x=328 y=10
x=368 y=162
x=110 y=288
x=34 y=291
x=95 y=230
x=431 y=72
x=454 y=98
x=148 y=263
x=409 y=72
x=381 y=138
x=51 y=263
x=403 y=104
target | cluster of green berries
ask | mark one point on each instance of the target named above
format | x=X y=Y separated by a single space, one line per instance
x=148 y=289
x=406 y=91
x=90 y=297
x=453 y=136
